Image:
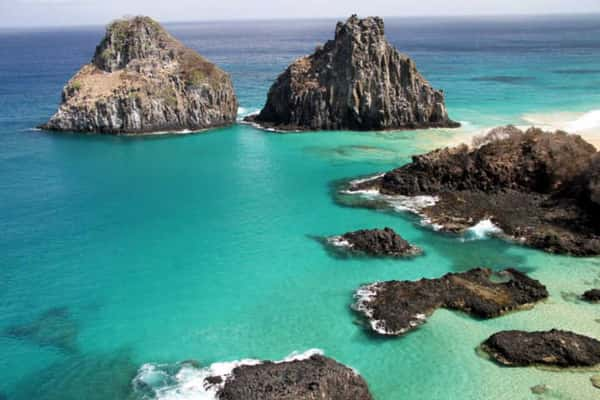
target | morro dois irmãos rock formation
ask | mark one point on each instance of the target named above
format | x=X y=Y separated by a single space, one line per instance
x=357 y=81
x=143 y=80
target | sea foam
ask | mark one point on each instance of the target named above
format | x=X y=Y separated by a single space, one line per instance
x=187 y=381
x=482 y=230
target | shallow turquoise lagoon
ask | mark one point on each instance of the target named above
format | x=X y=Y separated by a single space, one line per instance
x=116 y=251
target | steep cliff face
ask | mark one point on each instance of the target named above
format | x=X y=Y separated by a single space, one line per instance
x=143 y=80
x=357 y=81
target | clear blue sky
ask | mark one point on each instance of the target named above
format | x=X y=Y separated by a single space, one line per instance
x=14 y=13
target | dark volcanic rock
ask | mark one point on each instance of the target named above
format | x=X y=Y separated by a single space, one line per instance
x=539 y=188
x=592 y=295
x=395 y=307
x=142 y=80
x=551 y=348
x=376 y=242
x=315 y=378
x=357 y=81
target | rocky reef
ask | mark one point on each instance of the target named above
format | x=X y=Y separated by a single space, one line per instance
x=55 y=327
x=309 y=375
x=375 y=242
x=540 y=188
x=143 y=80
x=396 y=307
x=317 y=377
x=551 y=348
x=357 y=81
x=592 y=295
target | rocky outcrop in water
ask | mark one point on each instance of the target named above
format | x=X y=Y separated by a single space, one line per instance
x=375 y=242
x=552 y=177
x=396 y=307
x=592 y=295
x=552 y=348
x=143 y=80
x=357 y=81
x=314 y=378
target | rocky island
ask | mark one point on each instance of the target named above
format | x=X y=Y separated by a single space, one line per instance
x=396 y=307
x=143 y=80
x=552 y=348
x=541 y=189
x=357 y=81
x=309 y=375
x=375 y=242
x=314 y=378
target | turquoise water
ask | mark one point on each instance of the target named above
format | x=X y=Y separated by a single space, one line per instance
x=115 y=252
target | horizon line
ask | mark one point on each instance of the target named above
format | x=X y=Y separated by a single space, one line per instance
x=274 y=19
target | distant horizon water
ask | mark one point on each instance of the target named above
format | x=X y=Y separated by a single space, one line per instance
x=168 y=22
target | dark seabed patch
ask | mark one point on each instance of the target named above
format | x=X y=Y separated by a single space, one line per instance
x=356 y=152
x=504 y=79
x=81 y=377
x=575 y=71
x=55 y=327
x=491 y=252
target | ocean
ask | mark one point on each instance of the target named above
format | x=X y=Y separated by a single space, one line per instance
x=123 y=252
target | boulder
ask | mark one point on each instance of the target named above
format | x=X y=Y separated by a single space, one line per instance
x=550 y=348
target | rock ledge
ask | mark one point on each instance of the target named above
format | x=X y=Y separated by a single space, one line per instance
x=396 y=307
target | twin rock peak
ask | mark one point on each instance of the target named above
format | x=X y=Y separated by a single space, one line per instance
x=143 y=80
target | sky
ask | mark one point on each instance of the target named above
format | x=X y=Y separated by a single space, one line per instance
x=32 y=13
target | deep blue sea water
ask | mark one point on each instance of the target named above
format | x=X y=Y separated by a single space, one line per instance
x=120 y=251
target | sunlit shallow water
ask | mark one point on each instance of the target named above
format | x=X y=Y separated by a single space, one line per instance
x=116 y=252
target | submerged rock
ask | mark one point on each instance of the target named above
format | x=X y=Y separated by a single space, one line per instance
x=551 y=348
x=142 y=80
x=54 y=327
x=317 y=377
x=90 y=376
x=595 y=381
x=592 y=295
x=396 y=307
x=375 y=242
x=357 y=81
x=552 y=177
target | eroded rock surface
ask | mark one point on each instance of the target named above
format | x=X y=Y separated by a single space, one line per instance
x=539 y=188
x=551 y=348
x=375 y=242
x=396 y=307
x=143 y=80
x=357 y=81
x=314 y=378
x=592 y=295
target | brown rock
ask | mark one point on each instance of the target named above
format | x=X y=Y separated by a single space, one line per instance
x=552 y=348
x=357 y=81
x=396 y=307
x=538 y=187
x=315 y=378
x=143 y=80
